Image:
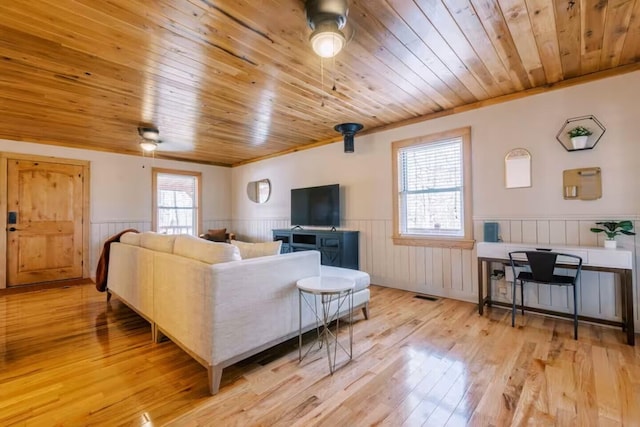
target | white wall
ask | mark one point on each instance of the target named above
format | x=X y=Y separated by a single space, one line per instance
x=536 y=214
x=121 y=189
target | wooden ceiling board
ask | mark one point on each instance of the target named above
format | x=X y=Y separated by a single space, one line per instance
x=517 y=17
x=616 y=29
x=471 y=27
x=543 y=25
x=593 y=14
x=490 y=14
x=415 y=17
x=229 y=82
x=398 y=35
x=631 y=48
x=446 y=26
x=568 y=24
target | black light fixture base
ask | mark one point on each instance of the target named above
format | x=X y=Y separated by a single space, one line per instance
x=142 y=130
x=348 y=130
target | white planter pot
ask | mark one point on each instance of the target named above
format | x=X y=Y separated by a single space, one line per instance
x=579 y=142
x=610 y=244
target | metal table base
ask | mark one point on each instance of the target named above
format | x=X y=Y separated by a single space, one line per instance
x=324 y=334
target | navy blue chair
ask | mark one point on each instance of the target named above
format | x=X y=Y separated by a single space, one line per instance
x=543 y=265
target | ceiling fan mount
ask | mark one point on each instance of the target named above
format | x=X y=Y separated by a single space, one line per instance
x=327 y=18
x=348 y=131
x=150 y=138
x=322 y=11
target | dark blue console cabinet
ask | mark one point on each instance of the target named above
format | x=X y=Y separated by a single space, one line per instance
x=337 y=248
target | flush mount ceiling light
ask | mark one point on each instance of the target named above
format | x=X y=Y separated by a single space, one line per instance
x=326 y=18
x=348 y=130
x=327 y=40
x=150 y=138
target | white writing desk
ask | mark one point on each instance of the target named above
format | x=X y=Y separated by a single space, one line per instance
x=594 y=258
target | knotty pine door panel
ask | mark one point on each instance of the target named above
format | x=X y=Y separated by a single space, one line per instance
x=46 y=242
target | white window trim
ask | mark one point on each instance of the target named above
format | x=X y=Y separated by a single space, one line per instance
x=154 y=197
x=463 y=242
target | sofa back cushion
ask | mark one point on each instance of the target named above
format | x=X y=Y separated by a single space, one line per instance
x=131 y=238
x=255 y=250
x=205 y=250
x=157 y=242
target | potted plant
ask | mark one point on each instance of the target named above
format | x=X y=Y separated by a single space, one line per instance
x=612 y=229
x=579 y=136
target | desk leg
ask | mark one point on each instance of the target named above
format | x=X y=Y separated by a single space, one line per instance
x=487 y=279
x=480 y=287
x=299 y=325
x=627 y=284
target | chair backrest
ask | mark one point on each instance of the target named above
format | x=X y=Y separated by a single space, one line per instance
x=543 y=263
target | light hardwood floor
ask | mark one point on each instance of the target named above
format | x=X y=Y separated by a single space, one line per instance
x=69 y=358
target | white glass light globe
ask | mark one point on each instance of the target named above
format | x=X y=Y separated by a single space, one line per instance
x=327 y=42
x=147 y=145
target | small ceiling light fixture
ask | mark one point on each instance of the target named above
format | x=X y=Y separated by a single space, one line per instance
x=326 y=18
x=150 y=138
x=348 y=130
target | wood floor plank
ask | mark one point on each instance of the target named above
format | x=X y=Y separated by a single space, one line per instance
x=67 y=357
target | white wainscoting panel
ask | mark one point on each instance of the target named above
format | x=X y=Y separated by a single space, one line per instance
x=445 y=272
x=435 y=271
x=453 y=272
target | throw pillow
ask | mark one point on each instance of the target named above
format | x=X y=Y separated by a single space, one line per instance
x=254 y=250
x=205 y=251
x=217 y=234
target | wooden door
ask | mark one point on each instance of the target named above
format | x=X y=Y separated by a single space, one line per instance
x=45 y=224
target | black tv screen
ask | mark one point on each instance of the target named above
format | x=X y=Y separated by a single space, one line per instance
x=316 y=206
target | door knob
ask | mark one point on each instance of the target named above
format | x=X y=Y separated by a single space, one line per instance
x=12 y=229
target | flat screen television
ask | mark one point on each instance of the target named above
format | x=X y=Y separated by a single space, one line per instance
x=316 y=206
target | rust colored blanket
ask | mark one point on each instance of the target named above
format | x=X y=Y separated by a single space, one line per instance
x=102 y=270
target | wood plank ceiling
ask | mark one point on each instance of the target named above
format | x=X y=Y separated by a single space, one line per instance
x=231 y=81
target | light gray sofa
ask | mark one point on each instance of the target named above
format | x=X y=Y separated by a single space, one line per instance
x=218 y=308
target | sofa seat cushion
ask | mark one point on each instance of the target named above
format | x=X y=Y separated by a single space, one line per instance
x=255 y=250
x=361 y=278
x=157 y=242
x=205 y=250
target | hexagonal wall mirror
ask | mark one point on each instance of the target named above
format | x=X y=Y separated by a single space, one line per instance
x=580 y=133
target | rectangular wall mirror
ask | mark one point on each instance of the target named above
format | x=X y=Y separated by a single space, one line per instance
x=517 y=168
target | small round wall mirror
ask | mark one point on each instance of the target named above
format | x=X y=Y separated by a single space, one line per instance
x=259 y=191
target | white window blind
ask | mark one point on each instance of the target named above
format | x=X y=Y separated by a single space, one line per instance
x=177 y=203
x=431 y=188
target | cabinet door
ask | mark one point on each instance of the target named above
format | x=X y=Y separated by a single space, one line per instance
x=330 y=256
x=330 y=250
x=285 y=248
x=331 y=242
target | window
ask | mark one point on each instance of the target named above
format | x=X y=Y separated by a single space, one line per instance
x=432 y=190
x=176 y=201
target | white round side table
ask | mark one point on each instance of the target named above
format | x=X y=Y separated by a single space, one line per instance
x=335 y=293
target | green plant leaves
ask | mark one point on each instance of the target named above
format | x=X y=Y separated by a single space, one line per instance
x=614 y=228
